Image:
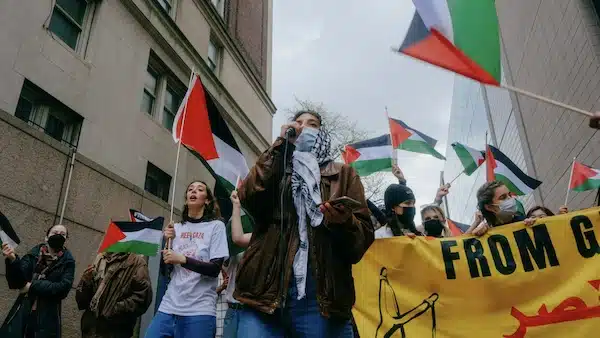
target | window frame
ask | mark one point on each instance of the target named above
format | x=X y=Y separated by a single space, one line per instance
x=150 y=70
x=155 y=173
x=175 y=94
x=214 y=65
x=220 y=7
x=84 y=27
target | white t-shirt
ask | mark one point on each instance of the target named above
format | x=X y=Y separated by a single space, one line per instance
x=190 y=293
x=384 y=232
x=234 y=262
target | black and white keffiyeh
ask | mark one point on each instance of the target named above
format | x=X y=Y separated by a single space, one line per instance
x=306 y=193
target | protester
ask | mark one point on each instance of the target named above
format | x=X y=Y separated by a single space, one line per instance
x=400 y=208
x=434 y=222
x=44 y=278
x=241 y=239
x=199 y=247
x=497 y=206
x=114 y=292
x=539 y=212
x=296 y=276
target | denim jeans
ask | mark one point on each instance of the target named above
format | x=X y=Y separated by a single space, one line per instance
x=164 y=325
x=300 y=319
x=231 y=323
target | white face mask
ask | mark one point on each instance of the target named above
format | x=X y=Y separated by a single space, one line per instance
x=508 y=210
x=307 y=139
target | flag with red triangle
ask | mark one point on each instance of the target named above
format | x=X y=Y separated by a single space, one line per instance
x=584 y=178
x=142 y=238
x=409 y=139
x=456 y=228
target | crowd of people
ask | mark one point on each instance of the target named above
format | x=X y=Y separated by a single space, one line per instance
x=294 y=278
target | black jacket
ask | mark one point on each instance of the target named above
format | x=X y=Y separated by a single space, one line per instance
x=48 y=292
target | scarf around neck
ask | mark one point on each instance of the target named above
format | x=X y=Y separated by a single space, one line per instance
x=306 y=193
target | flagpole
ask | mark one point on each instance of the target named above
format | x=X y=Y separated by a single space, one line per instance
x=547 y=100
x=569 y=183
x=457 y=176
x=178 y=154
x=64 y=205
x=394 y=151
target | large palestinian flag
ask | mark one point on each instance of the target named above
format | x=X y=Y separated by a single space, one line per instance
x=142 y=238
x=409 y=139
x=470 y=158
x=501 y=168
x=207 y=136
x=459 y=35
x=370 y=156
x=584 y=178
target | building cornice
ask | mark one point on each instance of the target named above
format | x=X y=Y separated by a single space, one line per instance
x=210 y=80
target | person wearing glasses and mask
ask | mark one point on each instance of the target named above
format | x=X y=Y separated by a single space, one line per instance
x=44 y=278
x=497 y=206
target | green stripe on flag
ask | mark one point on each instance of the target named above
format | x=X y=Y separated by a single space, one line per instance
x=589 y=184
x=138 y=247
x=476 y=32
x=466 y=159
x=366 y=168
x=509 y=184
x=422 y=147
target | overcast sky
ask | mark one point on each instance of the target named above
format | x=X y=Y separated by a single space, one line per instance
x=338 y=53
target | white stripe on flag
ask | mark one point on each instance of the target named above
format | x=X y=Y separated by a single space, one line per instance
x=5 y=239
x=504 y=171
x=436 y=14
x=230 y=164
x=375 y=153
x=144 y=235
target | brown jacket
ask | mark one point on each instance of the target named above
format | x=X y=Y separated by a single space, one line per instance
x=126 y=294
x=333 y=247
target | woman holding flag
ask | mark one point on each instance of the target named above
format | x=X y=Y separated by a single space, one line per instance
x=197 y=251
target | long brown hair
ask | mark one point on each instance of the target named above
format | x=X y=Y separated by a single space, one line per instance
x=485 y=196
x=211 y=210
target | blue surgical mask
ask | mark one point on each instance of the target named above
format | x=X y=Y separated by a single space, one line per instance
x=307 y=139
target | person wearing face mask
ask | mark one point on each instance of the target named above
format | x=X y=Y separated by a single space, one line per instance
x=400 y=208
x=296 y=276
x=44 y=278
x=497 y=206
x=434 y=222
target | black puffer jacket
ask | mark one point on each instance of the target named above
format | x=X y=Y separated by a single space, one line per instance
x=47 y=292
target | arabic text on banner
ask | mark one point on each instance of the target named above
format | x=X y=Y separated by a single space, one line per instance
x=515 y=281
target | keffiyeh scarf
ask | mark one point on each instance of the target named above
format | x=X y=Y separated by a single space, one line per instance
x=306 y=193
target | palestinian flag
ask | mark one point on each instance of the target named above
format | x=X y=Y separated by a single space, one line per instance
x=409 y=139
x=501 y=168
x=201 y=128
x=584 y=178
x=137 y=216
x=470 y=158
x=370 y=156
x=7 y=233
x=459 y=35
x=456 y=228
x=142 y=238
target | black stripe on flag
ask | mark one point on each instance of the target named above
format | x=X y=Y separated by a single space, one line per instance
x=417 y=31
x=430 y=140
x=528 y=180
x=380 y=141
x=217 y=123
x=156 y=224
x=8 y=229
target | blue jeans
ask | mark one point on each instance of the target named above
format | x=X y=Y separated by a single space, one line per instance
x=301 y=319
x=172 y=326
x=231 y=323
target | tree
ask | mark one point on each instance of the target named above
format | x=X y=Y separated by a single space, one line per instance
x=344 y=131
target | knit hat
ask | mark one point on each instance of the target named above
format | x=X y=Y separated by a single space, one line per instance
x=396 y=194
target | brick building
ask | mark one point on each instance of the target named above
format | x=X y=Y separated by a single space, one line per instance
x=101 y=80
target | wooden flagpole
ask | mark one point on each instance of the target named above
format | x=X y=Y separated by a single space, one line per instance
x=394 y=151
x=547 y=100
x=569 y=183
x=184 y=113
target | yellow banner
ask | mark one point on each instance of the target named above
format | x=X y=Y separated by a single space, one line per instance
x=516 y=281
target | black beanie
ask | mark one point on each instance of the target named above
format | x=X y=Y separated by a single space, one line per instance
x=396 y=194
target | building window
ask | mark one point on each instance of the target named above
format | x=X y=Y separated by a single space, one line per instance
x=172 y=102
x=157 y=182
x=68 y=20
x=161 y=89
x=214 y=55
x=220 y=6
x=43 y=112
x=167 y=5
x=150 y=89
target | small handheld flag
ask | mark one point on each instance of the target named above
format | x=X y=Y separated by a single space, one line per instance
x=409 y=139
x=584 y=178
x=470 y=158
x=142 y=238
x=7 y=233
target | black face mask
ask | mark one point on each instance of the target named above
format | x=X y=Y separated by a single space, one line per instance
x=408 y=216
x=434 y=227
x=56 y=241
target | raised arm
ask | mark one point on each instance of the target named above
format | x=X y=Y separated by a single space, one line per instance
x=237 y=230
